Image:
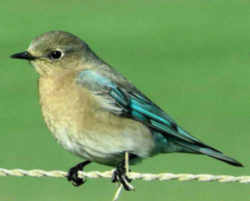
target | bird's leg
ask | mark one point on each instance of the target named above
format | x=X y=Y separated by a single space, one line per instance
x=119 y=175
x=73 y=173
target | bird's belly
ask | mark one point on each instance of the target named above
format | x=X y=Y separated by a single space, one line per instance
x=78 y=142
x=63 y=137
x=102 y=142
x=89 y=146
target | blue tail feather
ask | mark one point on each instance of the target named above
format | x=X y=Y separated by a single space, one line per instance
x=209 y=152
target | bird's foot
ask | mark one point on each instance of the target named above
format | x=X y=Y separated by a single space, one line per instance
x=73 y=174
x=119 y=175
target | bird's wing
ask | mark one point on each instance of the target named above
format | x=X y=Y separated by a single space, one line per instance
x=123 y=99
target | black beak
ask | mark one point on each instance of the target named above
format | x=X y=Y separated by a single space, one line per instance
x=23 y=55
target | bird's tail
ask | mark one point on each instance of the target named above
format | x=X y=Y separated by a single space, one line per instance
x=209 y=151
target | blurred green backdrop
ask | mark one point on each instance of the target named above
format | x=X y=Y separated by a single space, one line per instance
x=190 y=57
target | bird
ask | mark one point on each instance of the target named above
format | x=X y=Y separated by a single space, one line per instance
x=93 y=111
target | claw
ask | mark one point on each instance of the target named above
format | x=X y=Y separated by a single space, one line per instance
x=73 y=174
x=119 y=175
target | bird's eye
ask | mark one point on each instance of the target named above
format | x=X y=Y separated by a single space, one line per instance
x=56 y=54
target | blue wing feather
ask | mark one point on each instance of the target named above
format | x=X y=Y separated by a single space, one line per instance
x=135 y=105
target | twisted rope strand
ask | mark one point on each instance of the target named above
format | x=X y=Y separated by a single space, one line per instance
x=132 y=175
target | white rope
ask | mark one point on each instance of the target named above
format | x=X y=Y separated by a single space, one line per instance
x=132 y=175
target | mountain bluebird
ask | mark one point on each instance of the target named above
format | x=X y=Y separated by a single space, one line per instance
x=96 y=113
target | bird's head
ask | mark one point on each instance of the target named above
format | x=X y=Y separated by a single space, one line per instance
x=57 y=51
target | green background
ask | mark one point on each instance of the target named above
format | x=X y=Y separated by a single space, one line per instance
x=190 y=57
